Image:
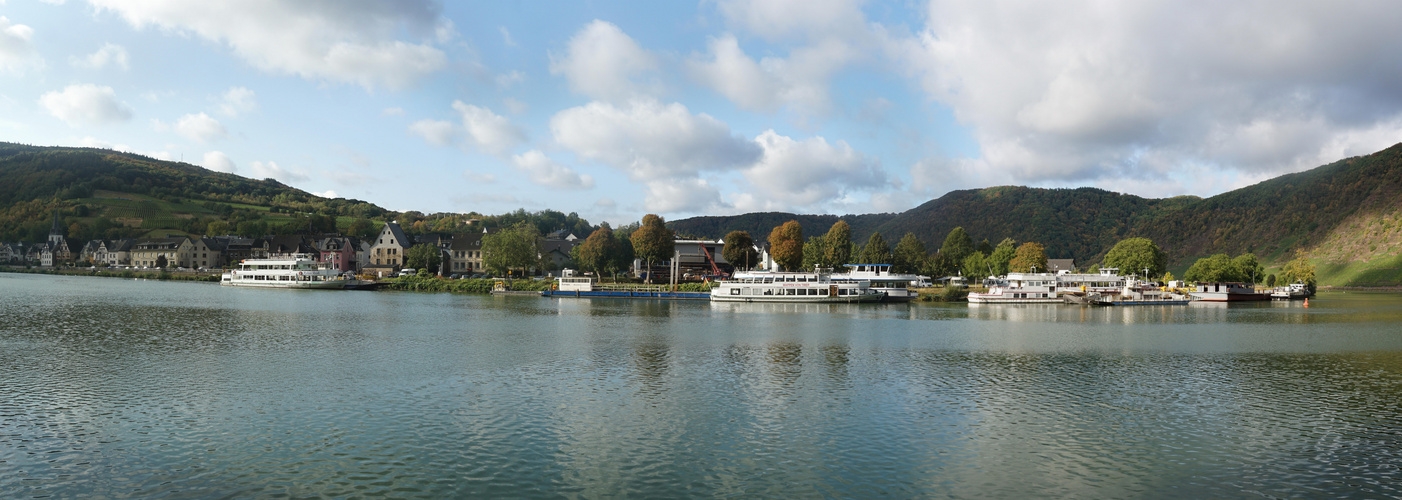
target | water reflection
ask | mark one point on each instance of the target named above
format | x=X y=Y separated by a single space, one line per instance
x=118 y=389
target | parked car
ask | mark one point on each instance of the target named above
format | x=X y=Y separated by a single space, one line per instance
x=407 y=272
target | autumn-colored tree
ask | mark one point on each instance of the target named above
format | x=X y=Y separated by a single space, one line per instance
x=653 y=241
x=740 y=250
x=1030 y=256
x=1298 y=270
x=597 y=251
x=837 y=245
x=786 y=245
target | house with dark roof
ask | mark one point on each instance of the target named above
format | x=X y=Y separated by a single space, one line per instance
x=465 y=253
x=339 y=252
x=1061 y=266
x=387 y=253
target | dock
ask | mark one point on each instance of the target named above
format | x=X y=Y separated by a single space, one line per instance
x=629 y=294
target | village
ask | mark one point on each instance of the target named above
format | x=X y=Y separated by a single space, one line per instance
x=384 y=256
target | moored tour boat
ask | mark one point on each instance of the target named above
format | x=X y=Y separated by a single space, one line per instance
x=792 y=287
x=1293 y=291
x=1020 y=288
x=295 y=271
x=1228 y=292
x=879 y=278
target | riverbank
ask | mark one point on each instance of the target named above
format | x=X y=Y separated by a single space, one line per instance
x=163 y=275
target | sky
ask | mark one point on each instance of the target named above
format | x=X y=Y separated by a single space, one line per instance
x=618 y=109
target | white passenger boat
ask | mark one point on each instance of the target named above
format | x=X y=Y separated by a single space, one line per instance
x=295 y=271
x=792 y=287
x=1020 y=288
x=879 y=277
x=1292 y=291
x=1228 y=292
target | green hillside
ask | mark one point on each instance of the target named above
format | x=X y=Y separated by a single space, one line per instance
x=108 y=194
x=103 y=194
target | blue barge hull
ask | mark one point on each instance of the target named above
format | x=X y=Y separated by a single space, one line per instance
x=631 y=295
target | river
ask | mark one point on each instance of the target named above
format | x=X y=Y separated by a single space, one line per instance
x=122 y=388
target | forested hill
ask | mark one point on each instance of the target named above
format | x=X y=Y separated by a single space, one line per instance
x=761 y=223
x=1347 y=215
x=108 y=194
x=115 y=190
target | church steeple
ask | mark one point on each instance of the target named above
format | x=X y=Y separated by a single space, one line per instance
x=56 y=232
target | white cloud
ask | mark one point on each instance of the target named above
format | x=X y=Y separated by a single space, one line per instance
x=602 y=62
x=487 y=130
x=110 y=54
x=649 y=140
x=807 y=174
x=271 y=170
x=16 y=52
x=237 y=101
x=1092 y=92
x=546 y=172
x=394 y=111
x=506 y=36
x=327 y=194
x=86 y=104
x=509 y=79
x=436 y=132
x=200 y=128
x=779 y=19
x=218 y=162
x=737 y=76
x=514 y=106
x=337 y=41
x=683 y=196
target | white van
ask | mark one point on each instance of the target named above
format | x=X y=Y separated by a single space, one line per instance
x=407 y=272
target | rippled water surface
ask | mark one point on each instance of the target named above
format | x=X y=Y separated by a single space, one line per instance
x=119 y=388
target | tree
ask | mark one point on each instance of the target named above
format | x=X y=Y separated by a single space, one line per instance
x=1248 y=269
x=985 y=247
x=909 y=255
x=786 y=245
x=739 y=250
x=1215 y=269
x=1134 y=255
x=1298 y=270
x=423 y=256
x=939 y=265
x=1270 y=280
x=975 y=267
x=876 y=250
x=813 y=253
x=1002 y=256
x=957 y=244
x=161 y=262
x=512 y=248
x=653 y=241
x=622 y=260
x=216 y=228
x=598 y=250
x=837 y=245
x=361 y=228
x=1030 y=257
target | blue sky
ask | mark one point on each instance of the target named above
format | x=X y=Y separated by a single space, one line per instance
x=614 y=110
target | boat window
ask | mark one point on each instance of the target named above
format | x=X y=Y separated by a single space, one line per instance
x=735 y=291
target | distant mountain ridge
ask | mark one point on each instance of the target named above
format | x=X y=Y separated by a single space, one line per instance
x=1346 y=215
